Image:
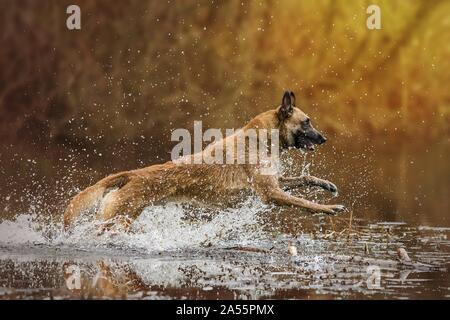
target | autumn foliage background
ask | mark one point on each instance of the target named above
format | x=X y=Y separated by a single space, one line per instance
x=142 y=68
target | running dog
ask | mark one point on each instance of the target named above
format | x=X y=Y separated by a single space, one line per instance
x=120 y=198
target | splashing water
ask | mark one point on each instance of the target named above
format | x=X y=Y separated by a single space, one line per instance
x=158 y=228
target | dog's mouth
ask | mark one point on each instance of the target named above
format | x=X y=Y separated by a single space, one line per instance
x=302 y=142
x=307 y=141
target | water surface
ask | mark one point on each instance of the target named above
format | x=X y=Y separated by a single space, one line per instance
x=397 y=198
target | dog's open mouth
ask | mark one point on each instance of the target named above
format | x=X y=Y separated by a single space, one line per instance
x=302 y=142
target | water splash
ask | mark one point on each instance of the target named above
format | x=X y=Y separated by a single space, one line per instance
x=24 y=229
x=167 y=227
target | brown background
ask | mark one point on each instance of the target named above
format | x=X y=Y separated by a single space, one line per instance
x=75 y=105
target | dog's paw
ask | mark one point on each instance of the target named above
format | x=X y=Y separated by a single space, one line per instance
x=334 y=209
x=329 y=186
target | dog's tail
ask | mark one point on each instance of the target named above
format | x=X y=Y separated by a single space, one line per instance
x=91 y=196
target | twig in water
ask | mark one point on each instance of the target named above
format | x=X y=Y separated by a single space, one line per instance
x=350 y=223
x=366 y=248
x=248 y=249
x=332 y=224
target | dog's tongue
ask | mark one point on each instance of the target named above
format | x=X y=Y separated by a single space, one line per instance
x=310 y=146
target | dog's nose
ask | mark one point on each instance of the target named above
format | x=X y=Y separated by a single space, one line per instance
x=322 y=139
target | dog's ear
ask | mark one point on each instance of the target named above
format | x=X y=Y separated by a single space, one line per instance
x=292 y=98
x=286 y=109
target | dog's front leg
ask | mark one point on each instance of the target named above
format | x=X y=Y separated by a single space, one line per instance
x=304 y=181
x=282 y=198
x=268 y=188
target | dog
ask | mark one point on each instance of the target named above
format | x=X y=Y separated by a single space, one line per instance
x=121 y=197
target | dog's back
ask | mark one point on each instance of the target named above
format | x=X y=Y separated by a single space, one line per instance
x=130 y=191
x=126 y=194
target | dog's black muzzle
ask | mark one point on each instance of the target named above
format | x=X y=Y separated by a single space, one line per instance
x=320 y=139
x=307 y=139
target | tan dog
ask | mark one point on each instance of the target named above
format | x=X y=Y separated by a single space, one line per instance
x=121 y=197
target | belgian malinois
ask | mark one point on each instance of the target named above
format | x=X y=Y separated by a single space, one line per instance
x=121 y=197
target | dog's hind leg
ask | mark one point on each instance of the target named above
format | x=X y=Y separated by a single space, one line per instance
x=125 y=205
x=89 y=197
x=83 y=201
x=119 y=209
x=288 y=183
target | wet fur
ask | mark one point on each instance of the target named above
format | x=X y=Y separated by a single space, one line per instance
x=121 y=197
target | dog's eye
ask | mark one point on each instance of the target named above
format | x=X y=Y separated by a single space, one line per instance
x=307 y=122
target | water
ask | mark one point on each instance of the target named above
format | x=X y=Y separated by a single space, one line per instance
x=397 y=197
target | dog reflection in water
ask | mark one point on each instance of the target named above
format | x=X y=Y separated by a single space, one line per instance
x=102 y=280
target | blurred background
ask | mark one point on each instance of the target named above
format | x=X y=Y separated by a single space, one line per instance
x=76 y=105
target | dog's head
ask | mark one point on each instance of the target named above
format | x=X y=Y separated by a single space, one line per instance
x=296 y=129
